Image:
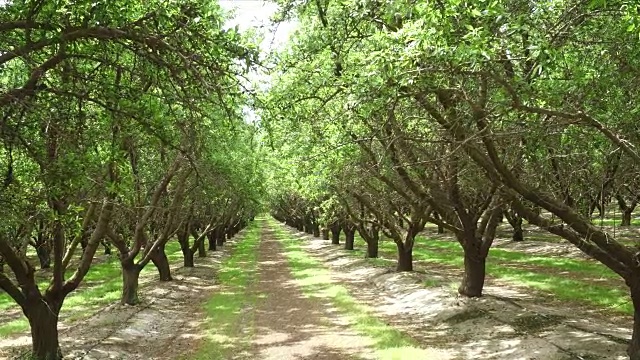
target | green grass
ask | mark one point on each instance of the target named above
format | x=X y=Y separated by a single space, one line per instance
x=224 y=309
x=503 y=264
x=101 y=286
x=614 y=222
x=315 y=281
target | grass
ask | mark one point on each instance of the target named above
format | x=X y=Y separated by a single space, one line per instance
x=503 y=264
x=225 y=309
x=101 y=286
x=615 y=222
x=315 y=281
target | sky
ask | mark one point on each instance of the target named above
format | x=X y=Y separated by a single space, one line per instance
x=257 y=13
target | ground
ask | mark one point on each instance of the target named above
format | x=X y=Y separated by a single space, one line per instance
x=274 y=293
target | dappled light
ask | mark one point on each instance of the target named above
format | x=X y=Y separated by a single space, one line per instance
x=319 y=179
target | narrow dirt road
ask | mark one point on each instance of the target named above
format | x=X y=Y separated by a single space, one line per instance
x=289 y=325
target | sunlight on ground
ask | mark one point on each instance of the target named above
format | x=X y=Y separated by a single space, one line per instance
x=317 y=283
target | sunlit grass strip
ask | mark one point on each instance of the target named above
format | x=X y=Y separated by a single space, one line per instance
x=101 y=286
x=316 y=282
x=225 y=309
x=613 y=298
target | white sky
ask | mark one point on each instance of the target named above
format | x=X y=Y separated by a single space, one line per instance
x=256 y=14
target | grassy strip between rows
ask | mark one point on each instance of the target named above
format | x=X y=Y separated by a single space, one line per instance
x=227 y=320
x=613 y=298
x=101 y=286
x=316 y=282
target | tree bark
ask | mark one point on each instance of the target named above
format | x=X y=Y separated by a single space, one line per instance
x=335 y=235
x=220 y=237
x=474 y=274
x=316 y=230
x=626 y=217
x=349 y=235
x=188 y=257
x=202 y=250
x=211 y=237
x=308 y=227
x=518 y=234
x=130 y=276
x=372 y=248
x=43 y=319
x=405 y=259
x=161 y=263
x=44 y=256
x=107 y=248
x=633 y=350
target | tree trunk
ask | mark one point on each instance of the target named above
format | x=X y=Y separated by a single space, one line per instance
x=107 y=248
x=44 y=256
x=349 y=240
x=43 y=319
x=308 y=227
x=325 y=233
x=634 y=345
x=188 y=257
x=161 y=263
x=474 y=274
x=372 y=249
x=220 y=237
x=335 y=235
x=518 y=234
x=405 y=259
x=626 y=217
x=130 y=276
x=316 y=230
x=202 y=250
x=211 y=237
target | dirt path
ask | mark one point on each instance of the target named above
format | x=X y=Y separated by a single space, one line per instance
x=289 y=325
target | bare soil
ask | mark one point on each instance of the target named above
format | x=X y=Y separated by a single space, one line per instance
x=289 y=325
x=507 y=323
x=164 y=325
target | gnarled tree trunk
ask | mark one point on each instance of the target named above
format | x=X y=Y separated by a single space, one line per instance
x=372 y=248
x=202 y=250
x=474 y=273
x=161 y=262
x=130 y=277
x=349 y=237
x=633 y=350
x=626 y=217
x=335 y=234
x=44 y=255
x=43 y=319
x=405 y=259
x=188 y=257
x=220 y=237
x=107 y=247
x=211 y=238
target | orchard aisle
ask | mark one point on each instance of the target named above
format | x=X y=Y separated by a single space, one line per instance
x=290 y=325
